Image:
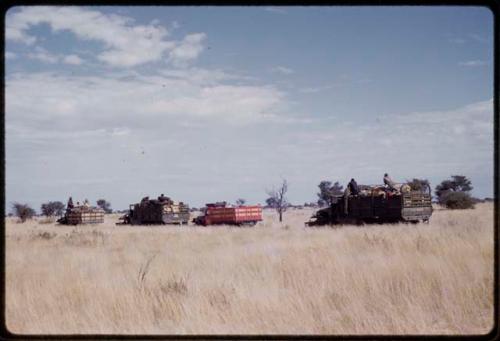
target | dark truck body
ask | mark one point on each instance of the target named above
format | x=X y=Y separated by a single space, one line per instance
x=386 y=207
x=149 y=212
x=219 y=214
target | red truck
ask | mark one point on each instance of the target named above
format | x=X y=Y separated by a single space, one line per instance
x=221 y=214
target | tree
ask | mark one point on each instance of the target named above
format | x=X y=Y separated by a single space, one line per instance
x=327 y=192
x=52 y=208
x=240 y=202
x=447 y=192
x=418 y=184
x=277 y=199
x=457 y=183
x=23 y=211
x=106 y=206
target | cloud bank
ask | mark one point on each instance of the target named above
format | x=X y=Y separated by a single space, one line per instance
x=125 y=43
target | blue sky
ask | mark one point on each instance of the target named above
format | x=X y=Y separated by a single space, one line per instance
x=216 y=103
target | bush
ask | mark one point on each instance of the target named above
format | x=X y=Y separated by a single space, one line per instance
x=457 y=183
x=328 y=192
x=105 y=205
x=418 y=184
x=457 y=200
x=23 y=211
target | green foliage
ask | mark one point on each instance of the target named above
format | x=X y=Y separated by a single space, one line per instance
x=106 y=206
x=457 y=200
x=418 y=184
x=327 y=192
x=23 y=211
x=52 y=208
x=457 y=183
x=454 y=193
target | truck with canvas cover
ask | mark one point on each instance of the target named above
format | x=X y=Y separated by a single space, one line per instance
x=156 y=211
x=377 y=204
x=220 y=213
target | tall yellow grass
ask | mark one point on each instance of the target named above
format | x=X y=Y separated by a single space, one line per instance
x=432 y=278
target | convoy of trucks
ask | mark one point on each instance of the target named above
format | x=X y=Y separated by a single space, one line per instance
x=373 y=204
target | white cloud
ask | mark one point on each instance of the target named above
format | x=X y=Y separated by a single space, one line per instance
x=79 y=101
x=430 y=145
x=72 y=59
x=473 y=63
x=283 y=70
x=10 y=55
x=188 y=49
x=43 y=55
x=125 y=44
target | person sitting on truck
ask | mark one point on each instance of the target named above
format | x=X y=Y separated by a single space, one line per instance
x=389 y=182
x=353 y=187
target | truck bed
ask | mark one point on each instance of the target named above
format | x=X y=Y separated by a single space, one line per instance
x=233 y=215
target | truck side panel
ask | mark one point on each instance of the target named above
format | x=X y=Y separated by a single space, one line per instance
x=233 y=215
x=248 y=214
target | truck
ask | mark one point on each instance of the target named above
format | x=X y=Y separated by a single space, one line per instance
x=220 y=213
x=156 y=211
x=377 y=204
x=82 y=215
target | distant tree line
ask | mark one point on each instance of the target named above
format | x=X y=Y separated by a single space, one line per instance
x=452 y=193
x=49 y=209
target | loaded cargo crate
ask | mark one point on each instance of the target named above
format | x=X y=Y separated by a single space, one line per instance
x=83 y=215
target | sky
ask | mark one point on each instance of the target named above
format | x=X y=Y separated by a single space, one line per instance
x=207 y=104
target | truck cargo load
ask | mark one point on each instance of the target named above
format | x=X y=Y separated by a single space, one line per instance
x=156 y=211
x=377 y=204
x=82 y=215
x=220 y=213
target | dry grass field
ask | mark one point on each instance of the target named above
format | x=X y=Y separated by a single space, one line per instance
x=274 y=278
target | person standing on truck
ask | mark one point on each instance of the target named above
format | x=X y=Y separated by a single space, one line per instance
x=347 y=192
x=389 y=182
x=70 y=203
x=353 y=187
